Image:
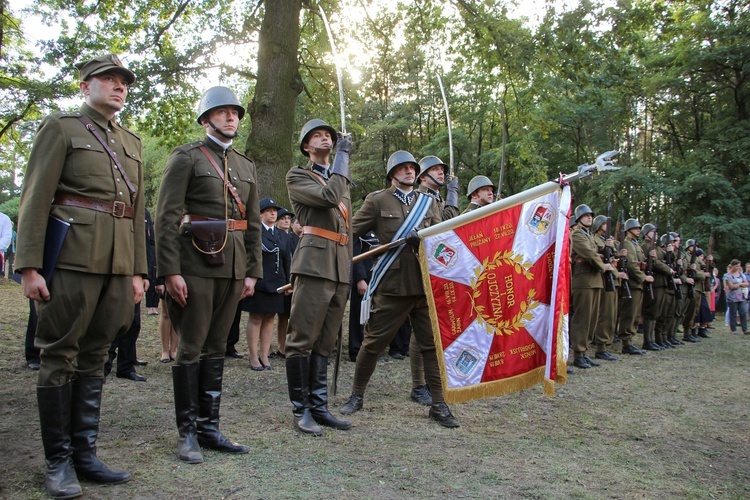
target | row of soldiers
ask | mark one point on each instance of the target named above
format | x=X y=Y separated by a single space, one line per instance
x=641 y=274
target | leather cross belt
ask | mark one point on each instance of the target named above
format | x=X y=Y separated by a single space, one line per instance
x=114 y=208
x=340 y=238
x=232 y=224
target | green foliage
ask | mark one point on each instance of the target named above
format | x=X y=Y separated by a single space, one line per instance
x=664 y=82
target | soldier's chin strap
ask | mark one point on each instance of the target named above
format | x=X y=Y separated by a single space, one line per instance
x=230 y=137
x=437 y=183
x=412 y=184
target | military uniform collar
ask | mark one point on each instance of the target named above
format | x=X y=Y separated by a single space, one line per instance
x=426 y=190
x=97 y=117
x=214 y=146
x=321 y=170
x=223 y=145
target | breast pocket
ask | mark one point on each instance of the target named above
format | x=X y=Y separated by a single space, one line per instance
x=88 y=158
x=391 y=220
x=132 y=163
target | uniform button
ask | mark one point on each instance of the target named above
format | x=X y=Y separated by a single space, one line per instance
x=235 y=178
x=118 y=180
x=109 y=130
x=120 y=193
x=70 y=220
x=230 y=169
x=112 y=141
x=88 y=145
x=114 y=153
x=208 y=173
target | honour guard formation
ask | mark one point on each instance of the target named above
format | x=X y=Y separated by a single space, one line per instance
x=220 y=242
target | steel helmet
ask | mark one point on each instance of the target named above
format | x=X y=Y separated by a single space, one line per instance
x=216 y=97
x=582 y=210
x=397 y=159
x=665 y=239
x=689 y=243
x=315 y=124
x=632 y=224
x=428 y=162
x=598 y=221
x=647 y=228
x=477 y=182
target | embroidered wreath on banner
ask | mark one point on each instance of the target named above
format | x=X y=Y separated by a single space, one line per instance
x=494 y=323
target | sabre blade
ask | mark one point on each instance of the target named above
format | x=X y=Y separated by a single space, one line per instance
x=450 y=128
x=339 y=75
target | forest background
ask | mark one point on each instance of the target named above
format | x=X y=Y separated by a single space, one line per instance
x=664 y=82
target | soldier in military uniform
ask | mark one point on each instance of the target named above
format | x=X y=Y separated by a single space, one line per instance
x=92 y=179
x=629 y=309
x=320 y=197
x=666 y=318
x=690 y=296
x=654 y=308
x=587 y=286
x=480 y=192
x=396 y=291
x=431 y=177
x=606 y=322
x=208 y=250
x=680 y=298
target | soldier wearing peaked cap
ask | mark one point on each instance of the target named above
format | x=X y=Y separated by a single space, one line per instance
x=208 y=249
x=86 y=170
x=320 y=197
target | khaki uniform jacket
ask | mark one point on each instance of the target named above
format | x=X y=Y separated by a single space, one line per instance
x=191 y=185
x=383 y=214
x=587 y=263
x=447 y=212
x=66 y=158
x=472 y=206
x=660 y=269
x=316 y=203
x=635 y=257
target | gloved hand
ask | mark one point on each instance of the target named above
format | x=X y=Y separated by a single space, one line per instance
x=341 y=160
x=344 y=143
x=412 y=238
x=451 y=199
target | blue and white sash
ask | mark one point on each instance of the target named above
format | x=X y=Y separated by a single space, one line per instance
x=416 y=216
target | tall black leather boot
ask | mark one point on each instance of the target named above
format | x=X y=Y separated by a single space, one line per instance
x=319 y=394
x=85 y=410
x=209 y=400
x=297 y=372
x=185 y=382
x=60 y=479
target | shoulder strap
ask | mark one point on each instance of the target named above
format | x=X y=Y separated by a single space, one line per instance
x=117 y=167
x=229 y=186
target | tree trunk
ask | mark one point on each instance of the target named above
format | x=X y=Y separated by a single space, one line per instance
x=272 y=108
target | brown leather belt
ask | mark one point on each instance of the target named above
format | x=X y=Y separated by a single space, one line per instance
x=114 y=208
x=340 y=238
x=232 y=224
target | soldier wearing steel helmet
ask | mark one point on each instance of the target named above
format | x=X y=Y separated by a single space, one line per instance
x=630 y=309
x=606 y=322
x=666 y=318
x=396 y=290
x=586 y=285
x=320 y=270
x=654 y=308
x=72 y=176
x=208 y=247
x=431 y=177
x=480 y=192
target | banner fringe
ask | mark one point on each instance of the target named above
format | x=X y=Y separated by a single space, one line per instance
x=495 y=388
x=549 y=388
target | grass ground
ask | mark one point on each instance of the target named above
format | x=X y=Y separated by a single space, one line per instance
x=665 y=425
